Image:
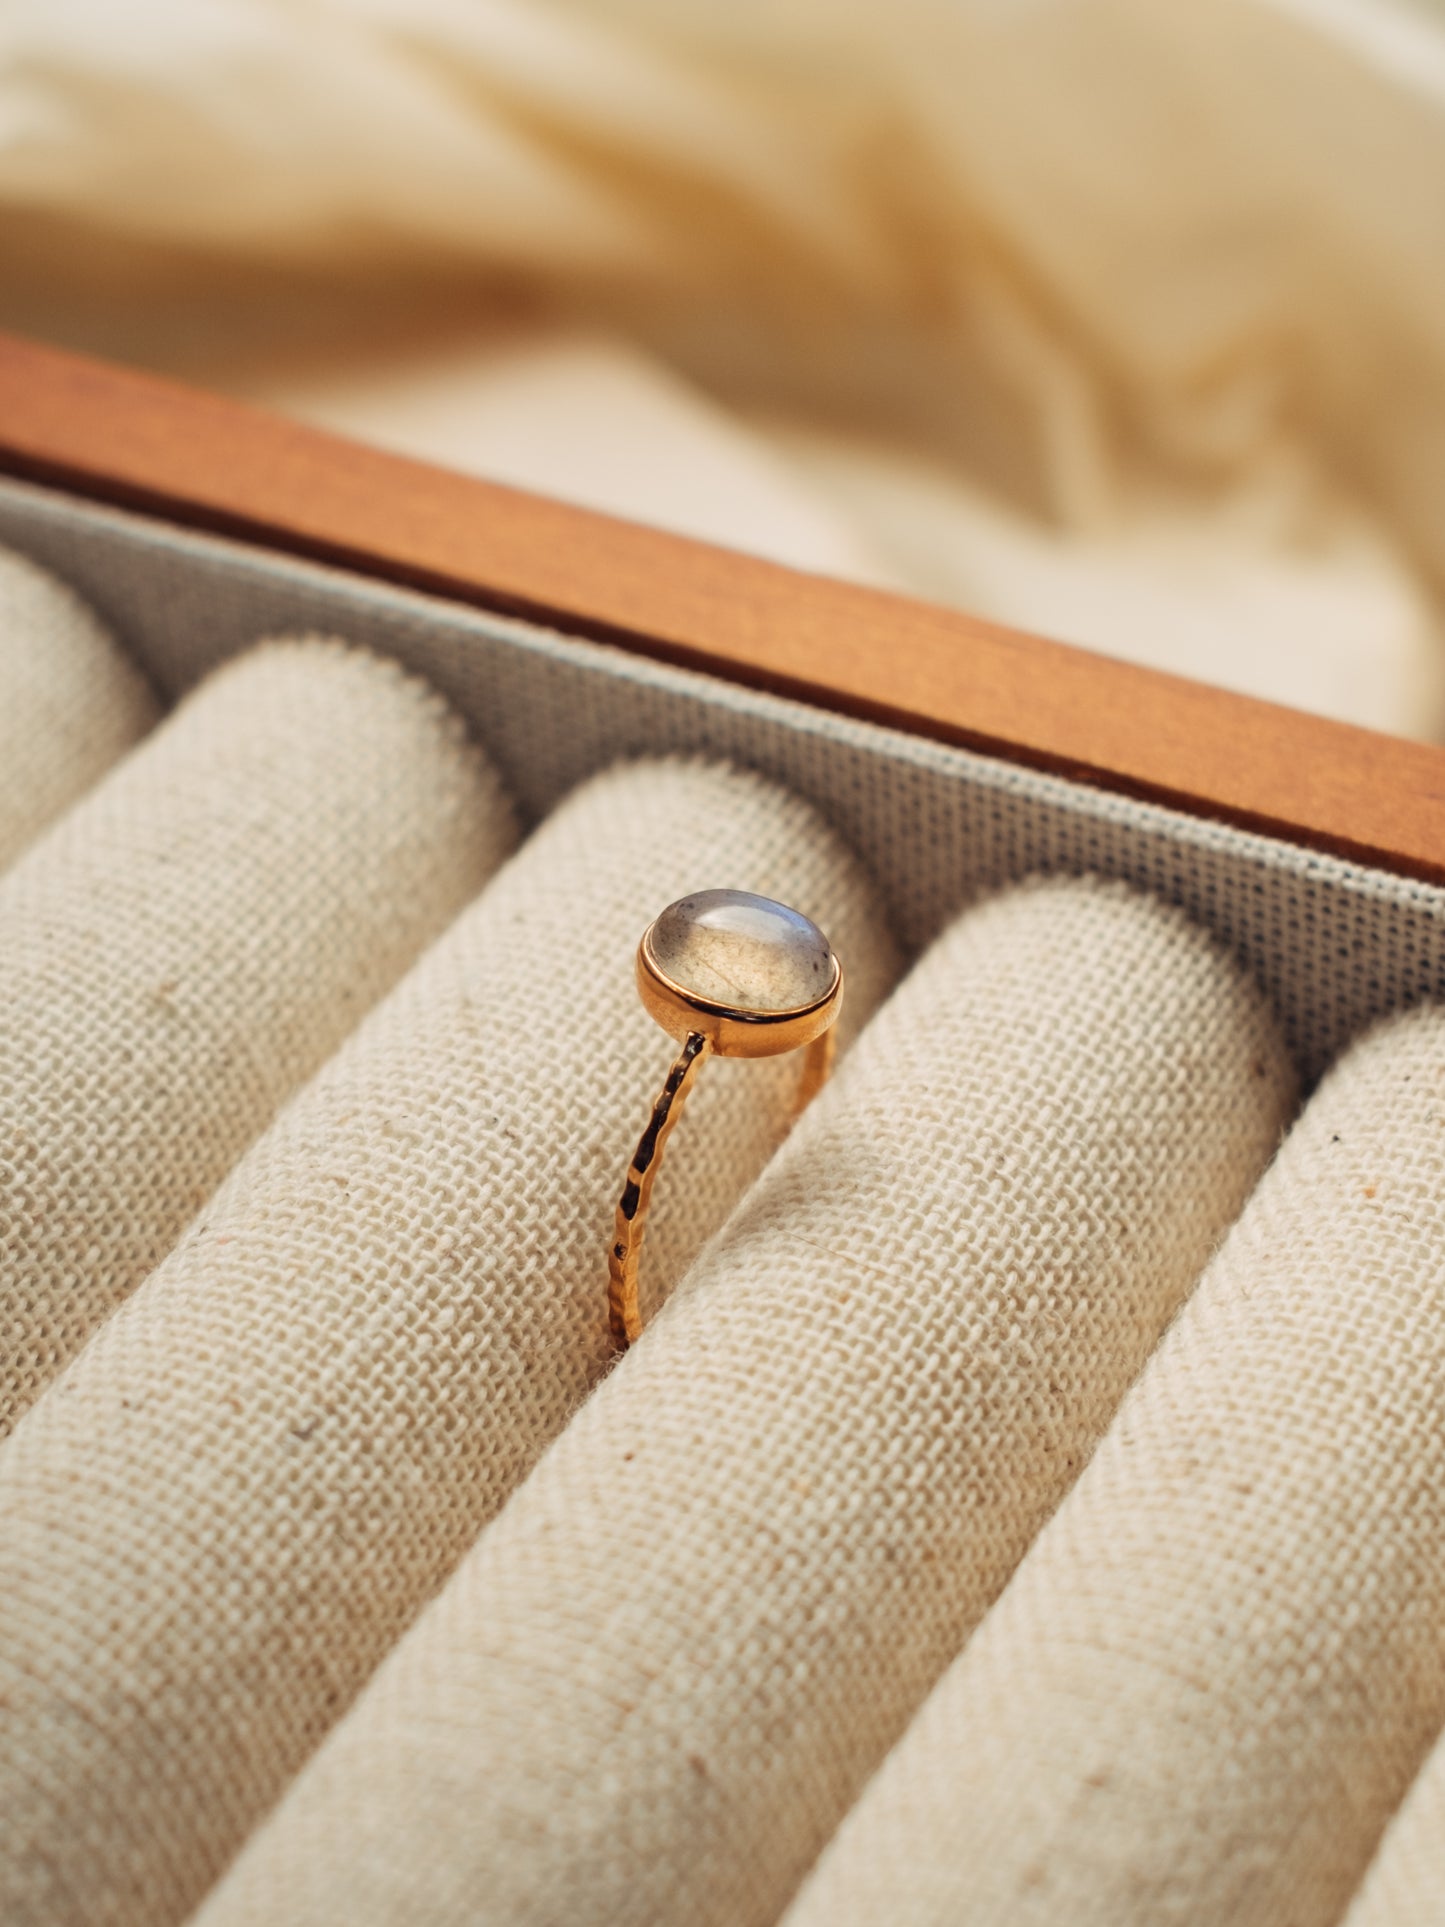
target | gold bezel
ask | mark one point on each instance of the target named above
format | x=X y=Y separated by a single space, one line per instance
x=732 y=1032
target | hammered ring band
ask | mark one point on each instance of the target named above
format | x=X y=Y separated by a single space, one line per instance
x=727 y=974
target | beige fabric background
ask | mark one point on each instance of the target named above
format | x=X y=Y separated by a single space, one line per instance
x=1214 y=1674
x=1405 y=1886
x=191 y=941
x=215 y=1524
x=1108 y=318
x=71 y=702
x=651 y=1690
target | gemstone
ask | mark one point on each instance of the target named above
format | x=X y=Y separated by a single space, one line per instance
x=731 y=947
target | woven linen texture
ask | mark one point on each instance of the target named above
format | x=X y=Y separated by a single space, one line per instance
x=1333 y=944
x=1213 y=1676
x=654 y=1686
x=191 y=941
x=1405 y=1886
x=212 y=1528
x=71 y=702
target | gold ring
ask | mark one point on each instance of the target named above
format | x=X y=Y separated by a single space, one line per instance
x=728 y=974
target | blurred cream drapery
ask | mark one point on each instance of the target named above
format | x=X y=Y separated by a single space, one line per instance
x=1121 y=321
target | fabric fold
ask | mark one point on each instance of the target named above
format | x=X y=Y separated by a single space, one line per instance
x=71 y=701
x=1405 y=1884
x=214 y=1525
x=1213 y=1676
x=192 y=941
x=654 y=1686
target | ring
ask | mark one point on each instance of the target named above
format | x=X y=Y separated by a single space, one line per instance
x=728 y=974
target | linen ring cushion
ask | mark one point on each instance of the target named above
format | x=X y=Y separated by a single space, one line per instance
x=1405 y=1886
x=653 y=1687
x=1211 y=1679
x=215 y=1524
x=71 y=702
x=191 y=941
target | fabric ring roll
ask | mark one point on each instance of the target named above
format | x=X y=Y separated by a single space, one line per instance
x=1213 y=1676
x=1405 y=1886
x=652 y=1689
x=216 y=1523
x=191 y=941
x=71 y=701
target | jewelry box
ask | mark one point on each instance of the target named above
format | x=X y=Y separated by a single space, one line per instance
x=951 y=757
x=952 y=754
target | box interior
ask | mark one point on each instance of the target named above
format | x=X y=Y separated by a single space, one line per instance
x=1333 y=943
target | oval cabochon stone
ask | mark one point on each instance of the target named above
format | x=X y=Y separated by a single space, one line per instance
x=732 y=947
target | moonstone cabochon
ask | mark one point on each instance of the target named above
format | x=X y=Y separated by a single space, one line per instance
x=731 y=947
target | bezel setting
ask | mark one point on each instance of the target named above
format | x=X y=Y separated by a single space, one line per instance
x=730 y=1029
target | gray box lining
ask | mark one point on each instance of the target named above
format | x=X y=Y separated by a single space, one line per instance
x=1334 y=943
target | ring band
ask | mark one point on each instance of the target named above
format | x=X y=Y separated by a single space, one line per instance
x=728 y=974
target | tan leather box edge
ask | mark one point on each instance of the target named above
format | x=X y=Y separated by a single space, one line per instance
x=119 y=436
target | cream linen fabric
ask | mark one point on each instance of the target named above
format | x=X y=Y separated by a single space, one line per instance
x=190 y=943
x=651 y=1690
x=71 y=702
x=1214 y=1674
x=1128 y=315
x=1333 y=944
x=217 y=1522
x=1405 y=1886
